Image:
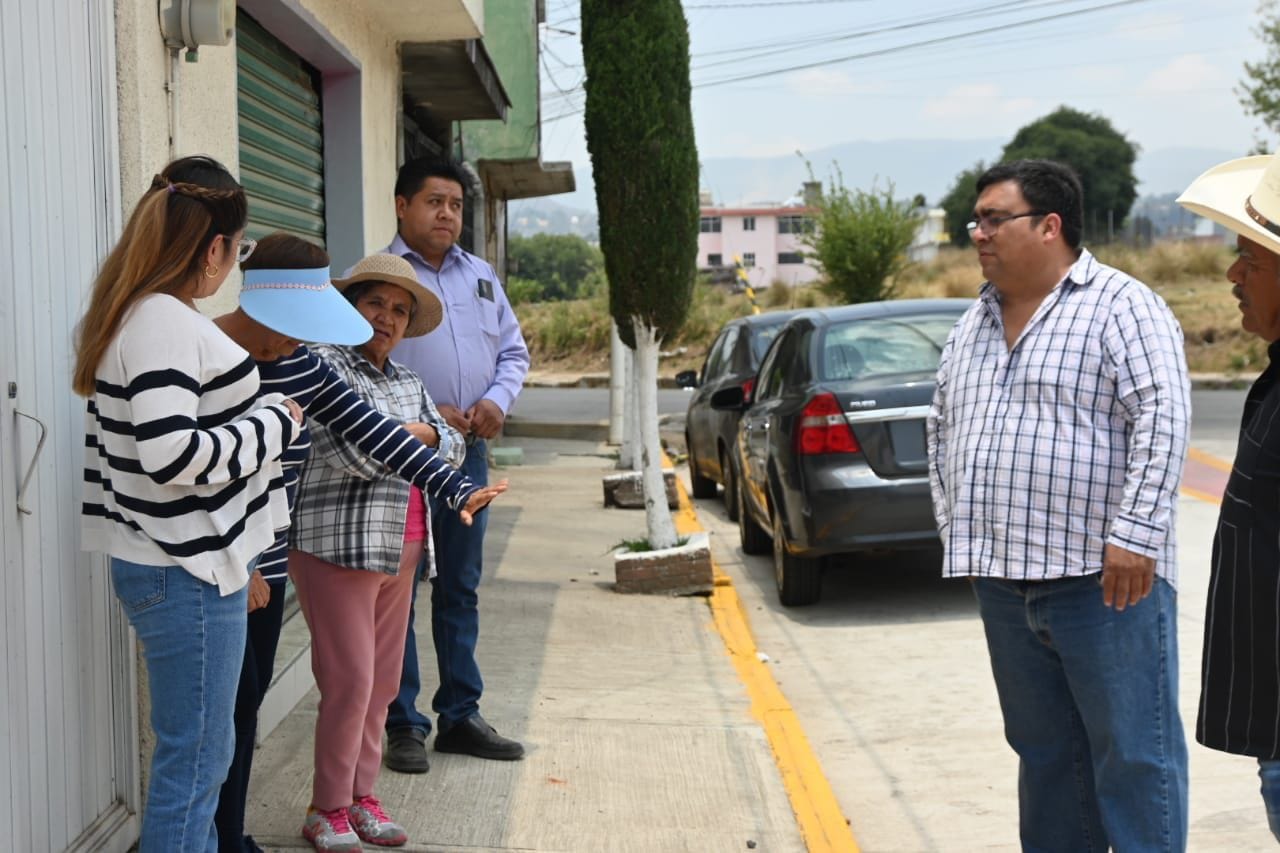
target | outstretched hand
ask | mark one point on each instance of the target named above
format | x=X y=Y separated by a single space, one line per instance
x=479 y=500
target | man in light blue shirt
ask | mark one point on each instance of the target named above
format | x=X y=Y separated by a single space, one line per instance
x=473 y=366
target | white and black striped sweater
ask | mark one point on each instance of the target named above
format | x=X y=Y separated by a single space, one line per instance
x=182 y=455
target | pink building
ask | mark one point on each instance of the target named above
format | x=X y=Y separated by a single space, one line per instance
x=767 y=238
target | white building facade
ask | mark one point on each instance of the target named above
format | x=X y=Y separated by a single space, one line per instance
x=314 y=103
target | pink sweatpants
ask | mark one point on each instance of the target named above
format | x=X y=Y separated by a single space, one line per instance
x=358 y=621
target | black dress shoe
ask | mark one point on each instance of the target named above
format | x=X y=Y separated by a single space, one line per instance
x=406 y=751
x=473 y=736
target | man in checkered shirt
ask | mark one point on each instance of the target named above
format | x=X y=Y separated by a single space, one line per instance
x=1056 y=442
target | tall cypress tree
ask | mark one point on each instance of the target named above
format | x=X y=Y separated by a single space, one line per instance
x=643 y=157
x=640 y=135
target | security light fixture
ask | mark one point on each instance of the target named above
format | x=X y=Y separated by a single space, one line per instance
x=193 y=23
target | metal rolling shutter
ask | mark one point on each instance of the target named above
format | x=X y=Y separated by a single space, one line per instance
x=281 y=141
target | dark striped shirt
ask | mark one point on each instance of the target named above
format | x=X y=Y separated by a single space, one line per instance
x=327 y=399
x=182 y=448
x=1240 y=670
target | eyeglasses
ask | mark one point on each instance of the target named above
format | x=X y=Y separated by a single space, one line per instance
x=989 y=223
x=244 y=248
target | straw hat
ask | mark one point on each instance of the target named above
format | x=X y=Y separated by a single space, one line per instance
x=303 y=305
x=1242 y=195
x=393 y=269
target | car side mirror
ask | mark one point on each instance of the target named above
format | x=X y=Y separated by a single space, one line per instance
x=731 y=399
x=687 y=379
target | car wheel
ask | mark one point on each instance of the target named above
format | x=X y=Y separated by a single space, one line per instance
x=753 y=539
x=799 y=578
x=730 y=486
x=703 y=487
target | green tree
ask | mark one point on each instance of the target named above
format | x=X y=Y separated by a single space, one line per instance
x=1259 y=92
x=860 y=240
x=639 y=125
x=561 y=264
x=958 y=203
x=1101 y=156
x=640 y=136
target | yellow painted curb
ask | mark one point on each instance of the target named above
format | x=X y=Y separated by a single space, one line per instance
x=1209 y=459
x=1204 y=496
x=822 y=824
x=1213 y=462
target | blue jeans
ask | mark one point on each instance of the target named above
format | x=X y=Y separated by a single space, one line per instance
x=193 y=642
x=1090 y=703
x=1269 y=773
x=455 y=616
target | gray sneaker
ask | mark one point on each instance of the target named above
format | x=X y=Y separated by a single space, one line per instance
x=330 y=830
x=373 y=825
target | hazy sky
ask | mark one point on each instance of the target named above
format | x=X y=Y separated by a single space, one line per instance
x=1163 y=71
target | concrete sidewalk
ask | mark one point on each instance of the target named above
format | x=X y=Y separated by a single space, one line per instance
x=638 y=729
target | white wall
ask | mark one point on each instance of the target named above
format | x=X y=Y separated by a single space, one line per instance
x=359 y=59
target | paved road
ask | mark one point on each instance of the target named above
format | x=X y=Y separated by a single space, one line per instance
x=888 y=675
x=579 y=405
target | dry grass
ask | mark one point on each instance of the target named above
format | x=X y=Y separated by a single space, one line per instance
x=1189 y=276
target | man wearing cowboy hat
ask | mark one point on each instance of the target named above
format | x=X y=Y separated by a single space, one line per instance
x=1240 y=672
x=473 y=366
x=1056 y=441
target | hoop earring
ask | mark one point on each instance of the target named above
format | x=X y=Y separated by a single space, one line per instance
x=208 y=274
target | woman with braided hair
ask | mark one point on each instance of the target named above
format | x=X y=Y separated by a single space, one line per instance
x=183 y=482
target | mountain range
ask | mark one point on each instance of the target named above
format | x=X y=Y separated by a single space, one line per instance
x=913 y=166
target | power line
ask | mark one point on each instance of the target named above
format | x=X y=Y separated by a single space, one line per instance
x=774 y=4
x=892 y=49
x=1115 y=4
x=964 y=14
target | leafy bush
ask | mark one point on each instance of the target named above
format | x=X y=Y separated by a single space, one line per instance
x=562 y=265
x=522 y=290
x=860 y=241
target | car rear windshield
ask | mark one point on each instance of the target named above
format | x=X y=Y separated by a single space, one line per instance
x=880 y=346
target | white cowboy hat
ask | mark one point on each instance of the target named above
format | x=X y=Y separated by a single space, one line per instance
x=393 y=269
x=1242 y=195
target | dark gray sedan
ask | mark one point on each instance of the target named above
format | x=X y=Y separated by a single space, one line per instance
x=709 y=434
x=831 y=445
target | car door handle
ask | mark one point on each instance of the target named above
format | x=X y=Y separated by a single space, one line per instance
x=31 y=468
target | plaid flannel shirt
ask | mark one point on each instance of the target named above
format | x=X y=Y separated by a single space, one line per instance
x=351 y=509
x=1042 y=454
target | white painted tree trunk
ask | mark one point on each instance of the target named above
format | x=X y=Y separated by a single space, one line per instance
x=662 y=530
x=629 y=456
x=617 y=386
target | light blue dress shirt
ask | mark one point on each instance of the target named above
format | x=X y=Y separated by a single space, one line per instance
x=477 y=352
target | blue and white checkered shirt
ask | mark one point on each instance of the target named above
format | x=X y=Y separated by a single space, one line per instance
x=1042 y=454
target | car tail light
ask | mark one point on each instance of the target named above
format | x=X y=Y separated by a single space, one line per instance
x=823 y=428
x=748 y=385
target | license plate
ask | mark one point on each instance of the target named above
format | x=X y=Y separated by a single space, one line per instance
x=907 y=438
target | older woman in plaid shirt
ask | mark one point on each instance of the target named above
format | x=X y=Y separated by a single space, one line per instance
x=358 y=534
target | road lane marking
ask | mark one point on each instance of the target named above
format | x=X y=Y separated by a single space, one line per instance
x=822 y=825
